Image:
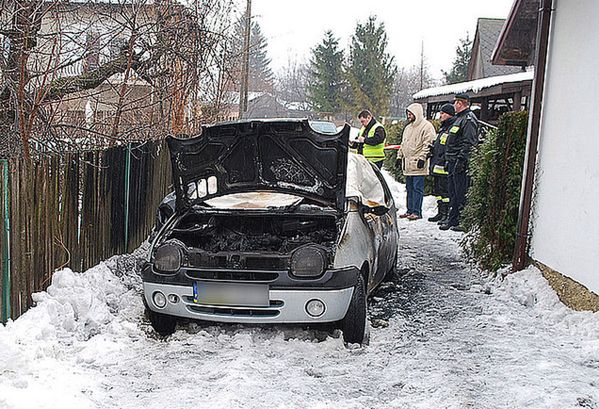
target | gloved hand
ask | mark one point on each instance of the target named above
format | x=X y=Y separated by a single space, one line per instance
x=431 y=150
x=446 y=167
x=460 y=166
x=420 y=164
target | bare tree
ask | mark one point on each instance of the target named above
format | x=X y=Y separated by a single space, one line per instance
x=291 y=82
x=408 y=82
x=73 y=73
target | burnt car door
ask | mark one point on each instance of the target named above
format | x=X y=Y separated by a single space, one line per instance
x=387 y=225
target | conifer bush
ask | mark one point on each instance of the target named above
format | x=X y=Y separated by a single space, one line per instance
x=491 y=214
x=394 y=134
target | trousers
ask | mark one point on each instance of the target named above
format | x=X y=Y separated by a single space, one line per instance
x=415 y=190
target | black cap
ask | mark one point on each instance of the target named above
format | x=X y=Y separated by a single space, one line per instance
x=462 y=96
x=448 y=109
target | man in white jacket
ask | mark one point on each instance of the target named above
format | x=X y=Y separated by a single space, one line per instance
x=418 y=135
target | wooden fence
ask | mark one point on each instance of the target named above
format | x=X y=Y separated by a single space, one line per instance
x=75 y=210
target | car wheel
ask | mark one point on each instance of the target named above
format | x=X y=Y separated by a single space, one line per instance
x=355 y=323
x=162 y=323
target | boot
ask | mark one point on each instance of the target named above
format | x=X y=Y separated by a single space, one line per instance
x=444 y=210
x=439 y=214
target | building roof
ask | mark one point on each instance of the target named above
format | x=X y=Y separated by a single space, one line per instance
x=474 y=87
x=516 y=44
x=485 y=39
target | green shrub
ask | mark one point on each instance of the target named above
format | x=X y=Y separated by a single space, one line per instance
x=394 y=134
x=491 y=213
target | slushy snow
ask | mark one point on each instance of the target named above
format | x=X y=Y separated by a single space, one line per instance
x=445 y=336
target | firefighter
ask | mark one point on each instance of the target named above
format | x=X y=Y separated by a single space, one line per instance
x=372 y=136
x=463 y=135
x=437 y=165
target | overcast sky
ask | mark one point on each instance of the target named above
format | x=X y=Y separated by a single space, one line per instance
x=292 y=28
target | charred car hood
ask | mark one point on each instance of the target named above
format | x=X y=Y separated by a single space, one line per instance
x=285 y=156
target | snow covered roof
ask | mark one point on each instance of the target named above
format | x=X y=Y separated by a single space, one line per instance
x=474 y=86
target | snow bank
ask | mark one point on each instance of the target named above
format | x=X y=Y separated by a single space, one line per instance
x=530 y=289
x=40 y=352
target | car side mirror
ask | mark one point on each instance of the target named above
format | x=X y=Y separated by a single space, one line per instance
x=376 y=210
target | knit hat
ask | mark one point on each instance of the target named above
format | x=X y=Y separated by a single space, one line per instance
x=448 y=109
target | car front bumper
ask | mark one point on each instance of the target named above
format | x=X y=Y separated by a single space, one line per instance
x=286 y=305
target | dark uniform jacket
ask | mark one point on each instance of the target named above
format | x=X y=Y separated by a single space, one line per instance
x=438 y=150
x=463 y=135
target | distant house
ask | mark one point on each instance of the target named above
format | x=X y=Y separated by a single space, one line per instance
x=91 y=34
x=494 y=89
x=559 y=216
x=485 y=38
x=268 y=106
x=261 y=105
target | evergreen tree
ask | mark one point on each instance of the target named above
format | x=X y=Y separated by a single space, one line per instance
x=459 y=70
x=371 y=70
x=261 y=77
x=326 y=76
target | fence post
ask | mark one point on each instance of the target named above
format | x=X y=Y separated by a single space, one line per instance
x=5 y=245
x=127 y=177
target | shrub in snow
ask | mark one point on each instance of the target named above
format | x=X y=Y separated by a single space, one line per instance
x=491 y=213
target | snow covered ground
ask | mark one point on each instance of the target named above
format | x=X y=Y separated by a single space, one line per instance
x=445 y=336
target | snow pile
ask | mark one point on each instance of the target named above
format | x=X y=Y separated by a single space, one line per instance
x=529 y=288
x=41 y=351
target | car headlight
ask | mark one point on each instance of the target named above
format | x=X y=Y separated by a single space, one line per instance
x=308 y=261
x=168 y=257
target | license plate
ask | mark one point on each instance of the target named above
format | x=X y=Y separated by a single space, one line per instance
x=239 y=295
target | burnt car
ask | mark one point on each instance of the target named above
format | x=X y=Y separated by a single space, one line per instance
x=270 y=222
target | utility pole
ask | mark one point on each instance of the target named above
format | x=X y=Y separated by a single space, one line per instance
x=421 y=66
x=245 y=68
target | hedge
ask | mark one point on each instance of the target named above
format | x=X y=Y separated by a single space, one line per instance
x=491 y=214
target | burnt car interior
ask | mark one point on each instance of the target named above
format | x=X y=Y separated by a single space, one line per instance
x=276 y=233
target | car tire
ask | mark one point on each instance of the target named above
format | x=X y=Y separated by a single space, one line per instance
x=162 y=323
x=355 y=323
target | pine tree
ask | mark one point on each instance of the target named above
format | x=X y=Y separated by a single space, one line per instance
x=371 y=70
x=261 y=77
x=326 y=76
x=459 y=70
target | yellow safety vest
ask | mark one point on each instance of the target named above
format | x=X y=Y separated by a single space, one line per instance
x=374 y=153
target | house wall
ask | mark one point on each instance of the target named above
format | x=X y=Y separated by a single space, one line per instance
x=566 y=203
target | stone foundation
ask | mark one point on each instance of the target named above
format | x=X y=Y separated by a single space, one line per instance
x=571 y=293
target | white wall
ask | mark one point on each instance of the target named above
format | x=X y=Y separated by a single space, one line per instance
x=566 y=204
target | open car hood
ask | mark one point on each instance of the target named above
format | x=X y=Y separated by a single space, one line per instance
x=285 y=156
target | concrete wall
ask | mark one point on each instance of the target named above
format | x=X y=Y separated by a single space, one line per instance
x=566 y=205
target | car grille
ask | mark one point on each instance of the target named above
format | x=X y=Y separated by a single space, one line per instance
x=231 y=275
x=226 y=311
x=238 y=261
